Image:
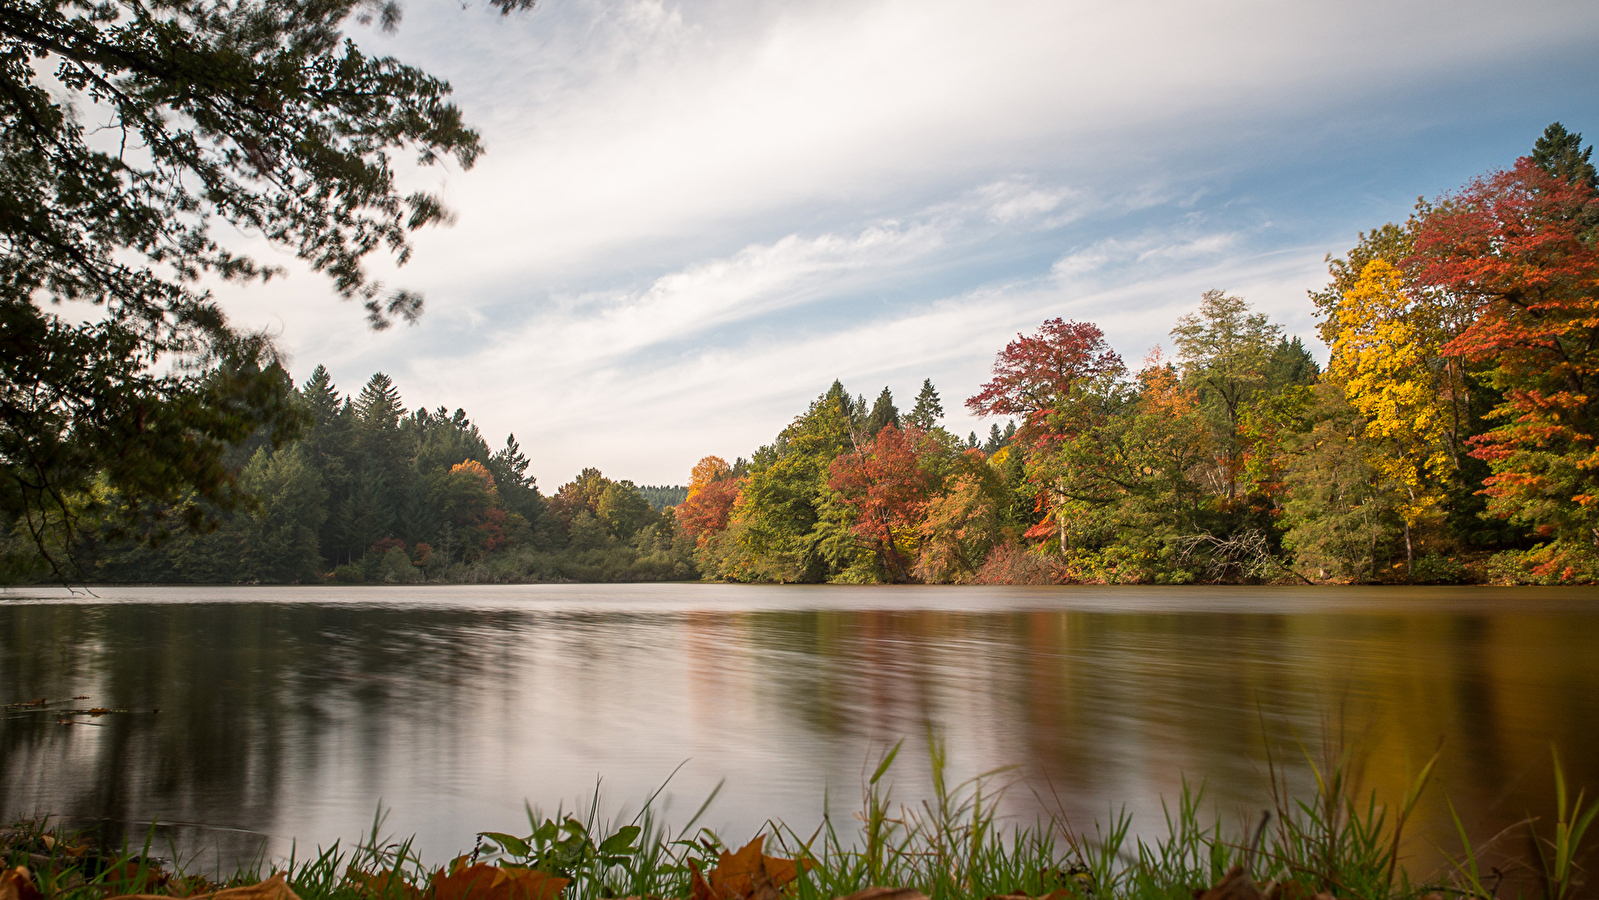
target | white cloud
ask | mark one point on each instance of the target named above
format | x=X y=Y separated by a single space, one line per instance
x=692 y=216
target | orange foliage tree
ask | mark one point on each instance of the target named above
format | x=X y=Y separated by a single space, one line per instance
x=712 y=491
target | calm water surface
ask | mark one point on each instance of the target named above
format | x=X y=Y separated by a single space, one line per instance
x=293 y=713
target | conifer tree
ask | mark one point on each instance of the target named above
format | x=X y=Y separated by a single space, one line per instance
x=1561 y=154
x=928 y=409
x=884 y=412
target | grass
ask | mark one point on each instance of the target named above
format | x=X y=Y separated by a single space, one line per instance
x=952 y=846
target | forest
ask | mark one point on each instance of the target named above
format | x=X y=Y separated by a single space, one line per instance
x=1453 y=436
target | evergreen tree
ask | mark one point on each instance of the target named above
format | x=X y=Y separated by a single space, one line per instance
x=378 y=408
x=518 y=490
x=996 y=440
x=883 y=413
x=1290 y=363
x=278 y=541
x=1561 y=154
x=928 y=409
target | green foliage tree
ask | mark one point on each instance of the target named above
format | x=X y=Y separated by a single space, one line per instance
x=252 y=113
x=1561 y=154
x=883 y=414
x=928 y=409
x=781 y=526
x=1338 y=516
x=624 y=511
x=278 y=539
x=1225 y=350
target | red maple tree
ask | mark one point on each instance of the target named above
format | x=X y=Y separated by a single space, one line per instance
x=886 y=485
x=1518 y=247
x=1035 y=375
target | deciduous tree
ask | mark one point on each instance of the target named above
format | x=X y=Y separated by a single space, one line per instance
x=886 y=485
x=1516 y=246
x=1389 y=363
x=255 y=114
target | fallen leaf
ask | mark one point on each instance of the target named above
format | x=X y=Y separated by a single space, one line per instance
x=25 y=704
x=1235 y=885
x=141 y=878
x=99 y=711
x=17 y=884
x=486 y=882
x=886 y=893
x=1296 y=890
x=746 y=875
x=1058 y=894
x=383 y=884
x=274 y=888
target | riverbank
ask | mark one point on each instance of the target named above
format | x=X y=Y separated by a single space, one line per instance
x=1336 y=843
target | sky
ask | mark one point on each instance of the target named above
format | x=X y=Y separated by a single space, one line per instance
x=693 y=216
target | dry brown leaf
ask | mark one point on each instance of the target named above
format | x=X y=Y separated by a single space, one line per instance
x=383 y=884
x=1058 y=894
x=17 y=884
x=486 y=882
x=141 y=878
x=1235 y=885
x=886 y=893
x=748 y=874
x=274 y=888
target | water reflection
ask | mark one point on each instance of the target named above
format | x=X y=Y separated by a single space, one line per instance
x=293 y=714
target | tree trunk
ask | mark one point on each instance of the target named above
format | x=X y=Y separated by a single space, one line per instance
x=1410 y=556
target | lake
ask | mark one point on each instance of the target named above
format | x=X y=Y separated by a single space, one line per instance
x=293 y=713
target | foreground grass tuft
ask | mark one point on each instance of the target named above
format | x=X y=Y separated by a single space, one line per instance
x=1335 y=844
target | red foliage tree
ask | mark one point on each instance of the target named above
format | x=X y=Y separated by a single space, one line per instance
x=887 y=487
x=1519 y=247
x=1035 y=375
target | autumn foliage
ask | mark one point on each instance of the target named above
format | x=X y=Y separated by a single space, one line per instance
x=1518 y=248
x=712 y=491
x=1035 y=375
x=886 y=485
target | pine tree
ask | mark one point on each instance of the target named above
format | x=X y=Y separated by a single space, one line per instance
x=378 y=407
x=320 y=396
x=928 y=409
x=995 y=441
x=1561 y=154
x=884 y=413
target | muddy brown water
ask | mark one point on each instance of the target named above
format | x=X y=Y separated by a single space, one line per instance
x=293 y=714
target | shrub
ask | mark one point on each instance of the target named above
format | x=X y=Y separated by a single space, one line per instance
x=1435 y=568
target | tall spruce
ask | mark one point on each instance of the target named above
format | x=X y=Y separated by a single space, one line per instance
x=884 y=413
x=928 y=409
x=1561 y=154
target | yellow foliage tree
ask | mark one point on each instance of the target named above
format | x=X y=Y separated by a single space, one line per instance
x=1387 y=356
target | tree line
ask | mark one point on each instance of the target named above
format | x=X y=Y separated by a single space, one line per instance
x=372 y=492
x=1453 y=436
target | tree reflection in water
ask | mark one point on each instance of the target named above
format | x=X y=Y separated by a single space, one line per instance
x=294 y=714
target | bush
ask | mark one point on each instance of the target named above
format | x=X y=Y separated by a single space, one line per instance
x=1435 y=568
x=347 y=574
x=1554 y=563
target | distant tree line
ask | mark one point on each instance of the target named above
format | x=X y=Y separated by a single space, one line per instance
x=372 y=492
x=1454 y=435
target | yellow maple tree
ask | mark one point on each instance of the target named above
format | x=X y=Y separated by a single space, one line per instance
x=1387 y=355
